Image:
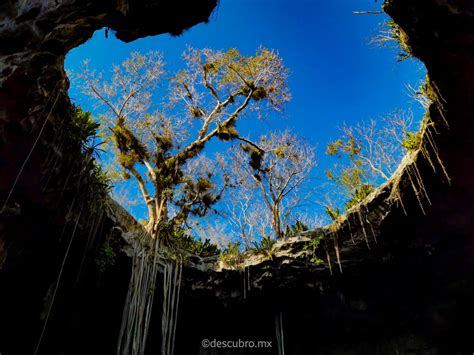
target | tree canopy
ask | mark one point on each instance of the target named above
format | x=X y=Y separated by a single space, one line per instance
x=161 y=146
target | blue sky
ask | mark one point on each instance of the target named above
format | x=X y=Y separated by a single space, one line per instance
x=336 y=75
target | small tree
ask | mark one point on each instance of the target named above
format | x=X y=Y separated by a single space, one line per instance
x=159 y=148
x=248 y=216
x=369 y=153
x=275 y=167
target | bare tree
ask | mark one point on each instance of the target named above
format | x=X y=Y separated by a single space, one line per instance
x=369 y=153
x=248 y=216
x=157 y=147
x=216 y=232
x=276 y=167
x=374 y=147
x=310 y=220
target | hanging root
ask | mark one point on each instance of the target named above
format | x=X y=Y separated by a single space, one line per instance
x=97 y=221
x=245 y=283
x=426 y=154
x=421 y=184
x=416 y=191
x=171 y=287
x=148 y=257
x=328 y=258
x=58 y=281
x=350 y=231
x=398 y=197
x=430 y=139
x=371 y=227
x=29 y=154
x=248 y=278
x=359 y=213
x=336 y=249
x=138 y=305
x=439 y=102
x=279 y=334
x=373 y=232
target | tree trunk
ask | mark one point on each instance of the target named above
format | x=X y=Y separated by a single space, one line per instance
x=277 y=222
x=244 y=238
x=159 y=214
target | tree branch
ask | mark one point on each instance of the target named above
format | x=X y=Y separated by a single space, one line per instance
x=367 y=12
x=150 y=202
x=99 y=95
x=240 y=76
x=382 y=174
x=210 y=87
x=198 y=145
x=248 y=141
x=264 y=192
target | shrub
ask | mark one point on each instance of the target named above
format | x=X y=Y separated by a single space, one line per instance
x=359 y=195
x=412 y=141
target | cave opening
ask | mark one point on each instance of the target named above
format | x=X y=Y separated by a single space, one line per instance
x=339 y=76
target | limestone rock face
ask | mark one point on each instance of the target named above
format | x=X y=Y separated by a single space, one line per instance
x=41 y=164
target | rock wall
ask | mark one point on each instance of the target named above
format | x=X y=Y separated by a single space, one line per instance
x=42 y=174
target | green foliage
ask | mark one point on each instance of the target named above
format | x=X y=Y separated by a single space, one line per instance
x=231 y=249
x=169 y=172
x=106 y=257
x=339 y=147
x=333 y=213
x=200 y=190
x=259 y=93
x=265 y=246
x=196 y=246
x=426 y=90
x=350 y=177
x=412 y=141
x=295 y=229
x=334 y=147
x=84 y=127
x=359 y=195
x=398 y=35
x=131 y=149
x=234 y=68
x=99 y=181
x=313 y=246
x=231 y=254
x=83 y=130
